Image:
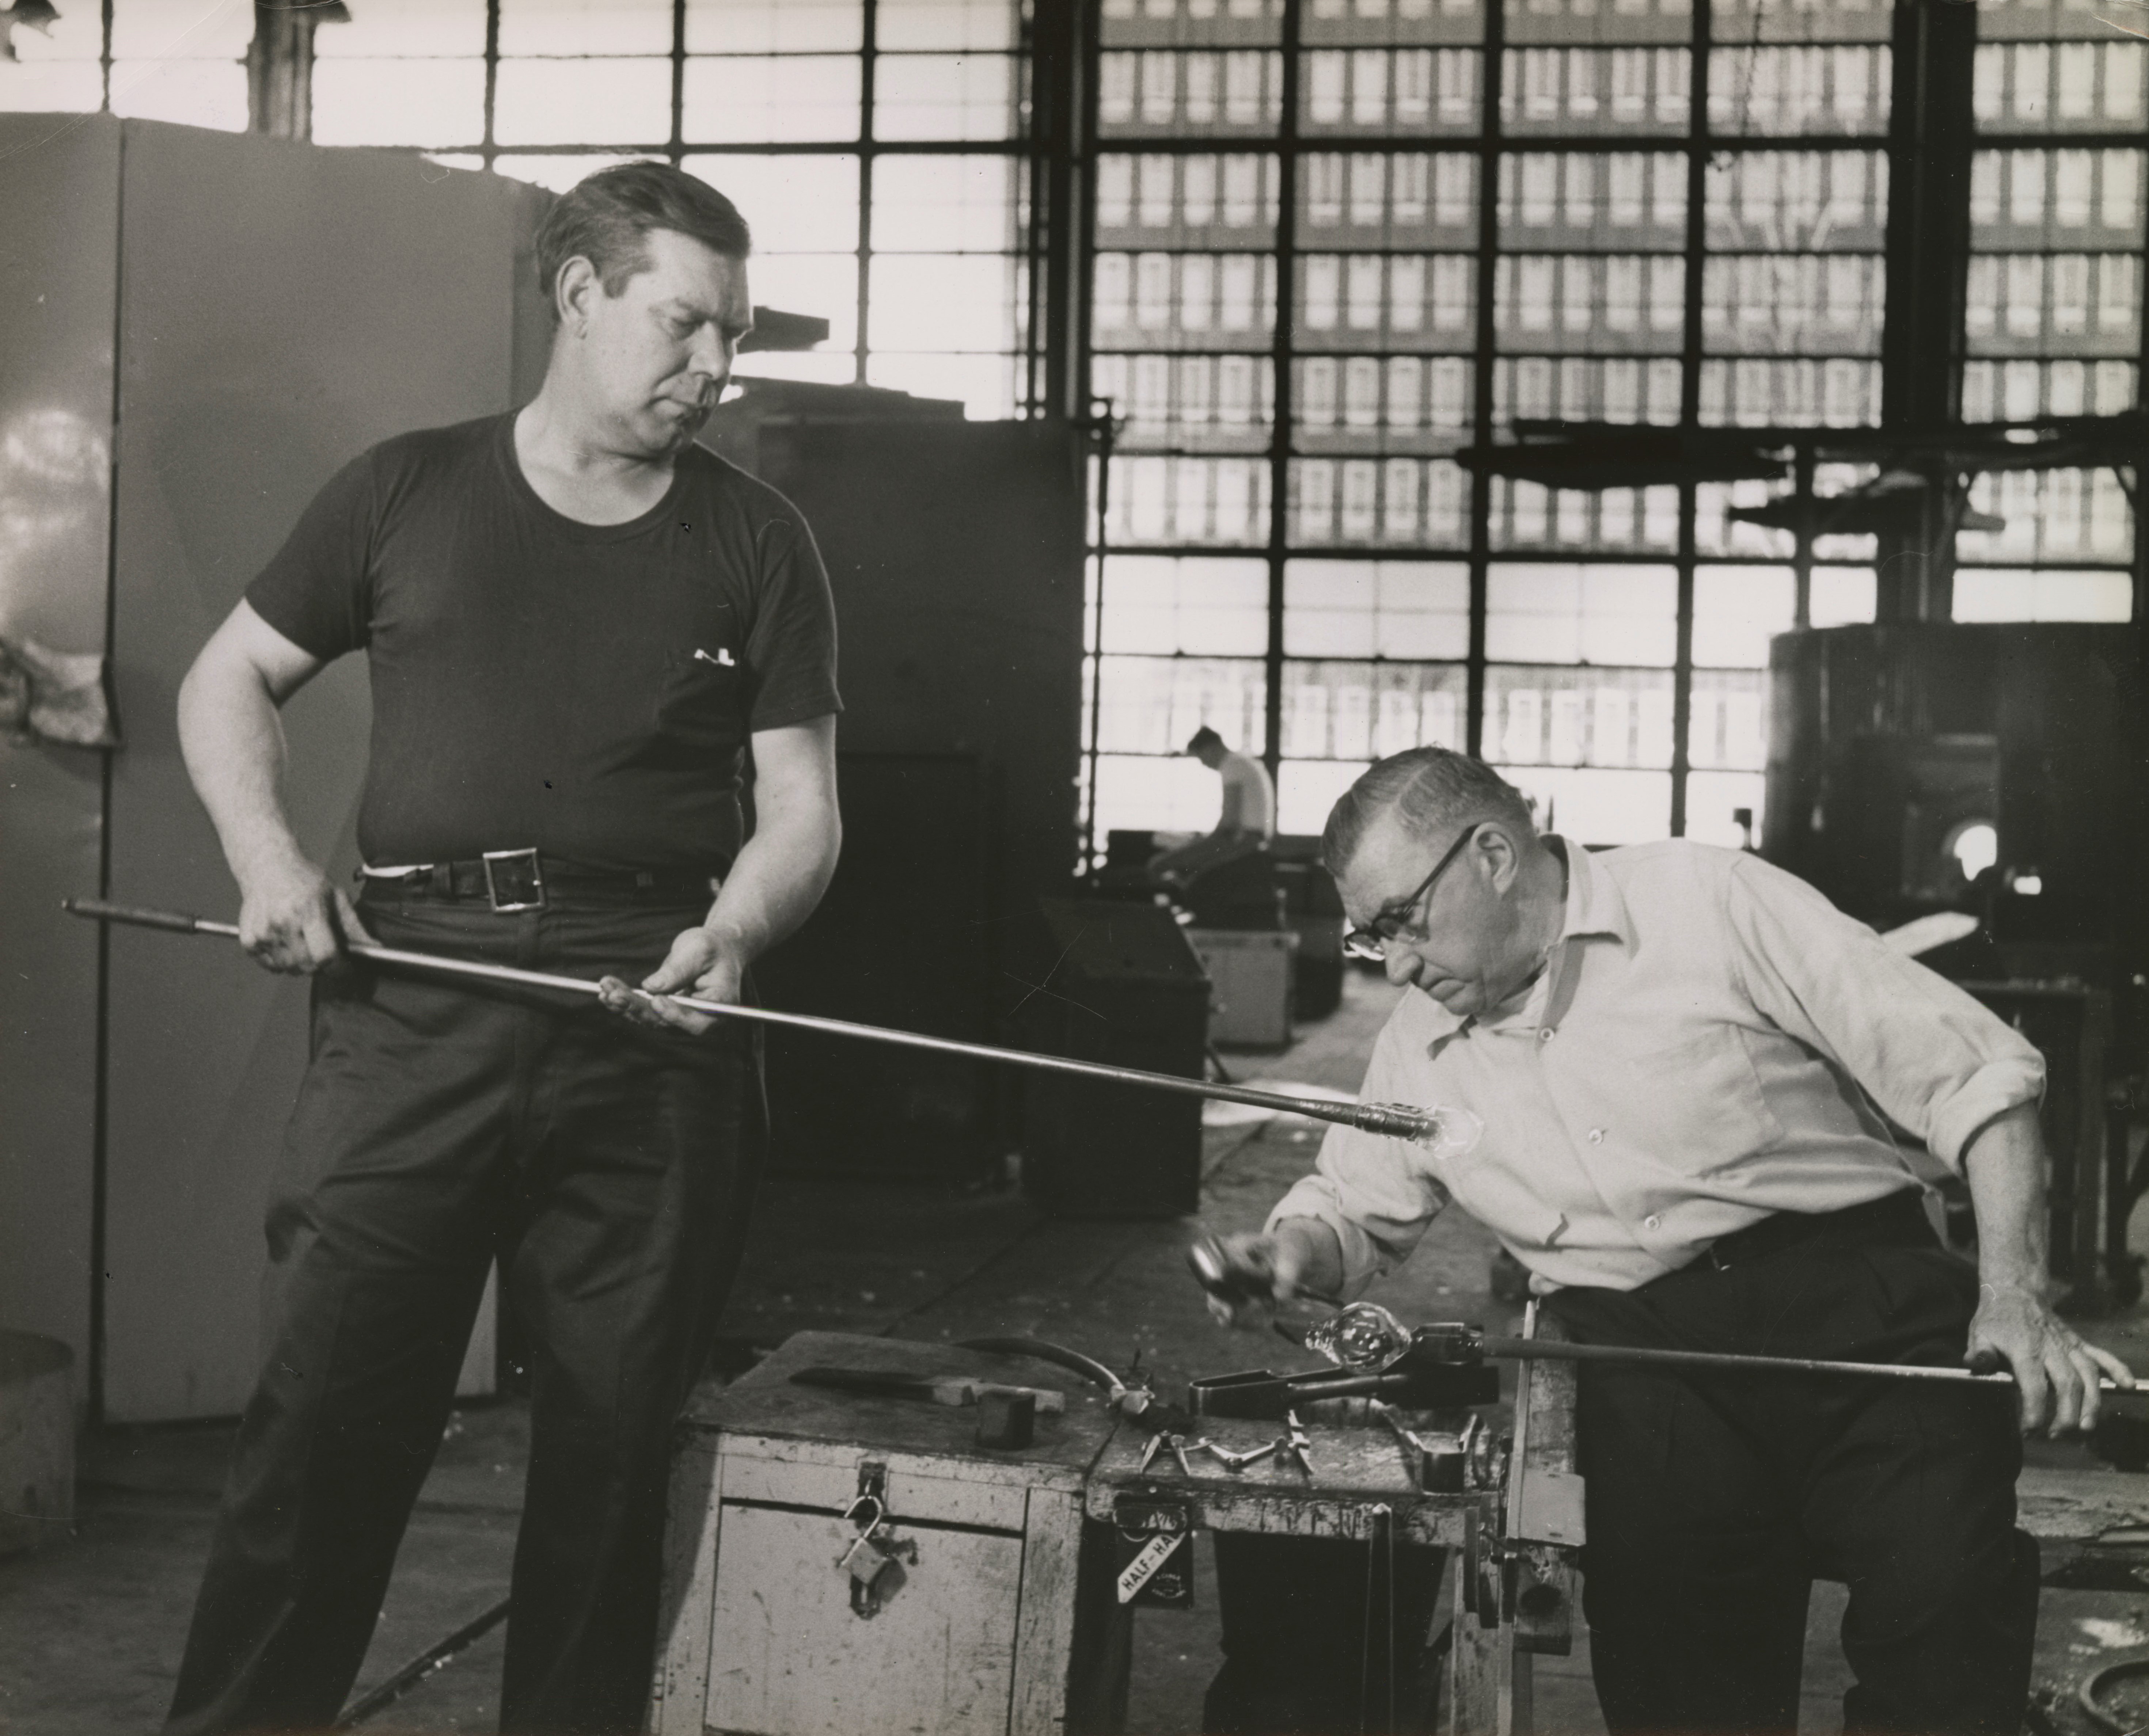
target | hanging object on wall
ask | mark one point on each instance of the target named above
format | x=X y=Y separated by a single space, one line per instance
x=37 y=15
x=54 y=696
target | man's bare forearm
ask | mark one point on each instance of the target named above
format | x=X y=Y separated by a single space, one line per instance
x=2004 y=1165
x=289 y=918
x=2056 y=1374
x=778 y=879
x=232 y=737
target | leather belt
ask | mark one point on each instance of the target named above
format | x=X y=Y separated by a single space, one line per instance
x=515 y=880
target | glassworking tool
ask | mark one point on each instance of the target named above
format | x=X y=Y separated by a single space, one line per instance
x=1261 y=1395
x=1437 y=1462
x=1447 y=1132
x=1297 y=1443
x=1232 y=1461
x=951 y=1390
x=1178 y=1446
x=1415 y=1453
x=1366 y=1339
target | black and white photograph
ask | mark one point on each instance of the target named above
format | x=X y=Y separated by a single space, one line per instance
x=1074 y=868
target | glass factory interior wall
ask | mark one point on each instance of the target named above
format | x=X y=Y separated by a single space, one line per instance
x=1327 y=243
x=59 y=286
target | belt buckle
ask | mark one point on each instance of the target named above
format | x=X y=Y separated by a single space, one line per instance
x=513 y=880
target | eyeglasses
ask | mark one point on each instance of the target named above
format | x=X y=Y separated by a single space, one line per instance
x=1396 y=920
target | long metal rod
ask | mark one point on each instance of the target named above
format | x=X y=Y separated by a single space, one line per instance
x=1394 y=1121
x=435 y=1656
x=1549 y=1350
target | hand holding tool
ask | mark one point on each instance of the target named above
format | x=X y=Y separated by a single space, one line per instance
x=1234 y=1283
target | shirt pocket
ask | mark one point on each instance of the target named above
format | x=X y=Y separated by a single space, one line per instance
x=701 y=698
x=1501 y=1200
x=1695 y=1105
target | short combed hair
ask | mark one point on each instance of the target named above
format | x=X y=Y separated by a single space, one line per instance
x=606 y=218
x=1428 y=790
x=1203 y=737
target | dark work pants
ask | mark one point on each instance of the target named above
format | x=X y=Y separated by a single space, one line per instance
x=610 y=1170
x=1321 y=1637
x=1714 y=1500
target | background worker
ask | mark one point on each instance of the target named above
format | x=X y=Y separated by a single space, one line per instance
x=576 y=622
x=1246 y=821
x=1676 y=1052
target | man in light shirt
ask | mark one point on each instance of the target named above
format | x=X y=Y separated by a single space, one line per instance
x=1246 y=821
x=1683 y=1057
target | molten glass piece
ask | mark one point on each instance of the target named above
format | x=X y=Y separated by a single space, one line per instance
x=1363 y=1337
x=1444 y=1131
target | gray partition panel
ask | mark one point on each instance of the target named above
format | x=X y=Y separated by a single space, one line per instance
x=285 y=307
x=58 y=277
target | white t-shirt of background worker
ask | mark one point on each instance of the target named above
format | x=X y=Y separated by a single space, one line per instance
x=1249 y=797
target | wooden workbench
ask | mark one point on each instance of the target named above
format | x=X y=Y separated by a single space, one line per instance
x=1001 y=1618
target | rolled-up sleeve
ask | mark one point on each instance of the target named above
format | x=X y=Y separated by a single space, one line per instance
x=1938 y=1063
x=1378 y=1195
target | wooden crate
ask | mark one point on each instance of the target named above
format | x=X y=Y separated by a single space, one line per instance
x=1249 y=976
x=977 y=1637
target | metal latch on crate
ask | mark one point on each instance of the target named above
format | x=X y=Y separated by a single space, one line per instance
x=1156 y=1551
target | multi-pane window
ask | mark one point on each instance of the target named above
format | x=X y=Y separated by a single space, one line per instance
x=1611 y=217
x=877 y=147
x=1329 y=244
x=2052 y=320
x=149 y=58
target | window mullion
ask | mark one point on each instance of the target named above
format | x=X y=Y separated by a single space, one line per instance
x=1281 y=349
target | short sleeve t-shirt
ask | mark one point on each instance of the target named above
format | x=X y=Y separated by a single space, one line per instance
x=1250 y=777
x=586 y=690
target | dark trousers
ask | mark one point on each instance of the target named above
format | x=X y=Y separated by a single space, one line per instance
x=1714 y=1500
x=1323 y=1637
x=609 y=1171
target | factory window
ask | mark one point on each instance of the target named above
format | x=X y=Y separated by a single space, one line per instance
x=180 y=63
x=2052 y=315
x=1336 y=241
x=877 y=147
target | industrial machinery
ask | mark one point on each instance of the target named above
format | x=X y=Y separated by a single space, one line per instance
x=1916 y=766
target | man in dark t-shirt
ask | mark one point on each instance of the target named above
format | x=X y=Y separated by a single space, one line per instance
x=576 y=622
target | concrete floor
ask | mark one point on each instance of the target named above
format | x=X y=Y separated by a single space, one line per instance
x=90 y=1631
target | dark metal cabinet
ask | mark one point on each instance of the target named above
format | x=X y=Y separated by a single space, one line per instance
x=954 y=550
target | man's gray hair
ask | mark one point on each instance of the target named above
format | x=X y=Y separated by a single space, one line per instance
x=1429 y=790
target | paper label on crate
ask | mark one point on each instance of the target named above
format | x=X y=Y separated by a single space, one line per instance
x=1152 y=1555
